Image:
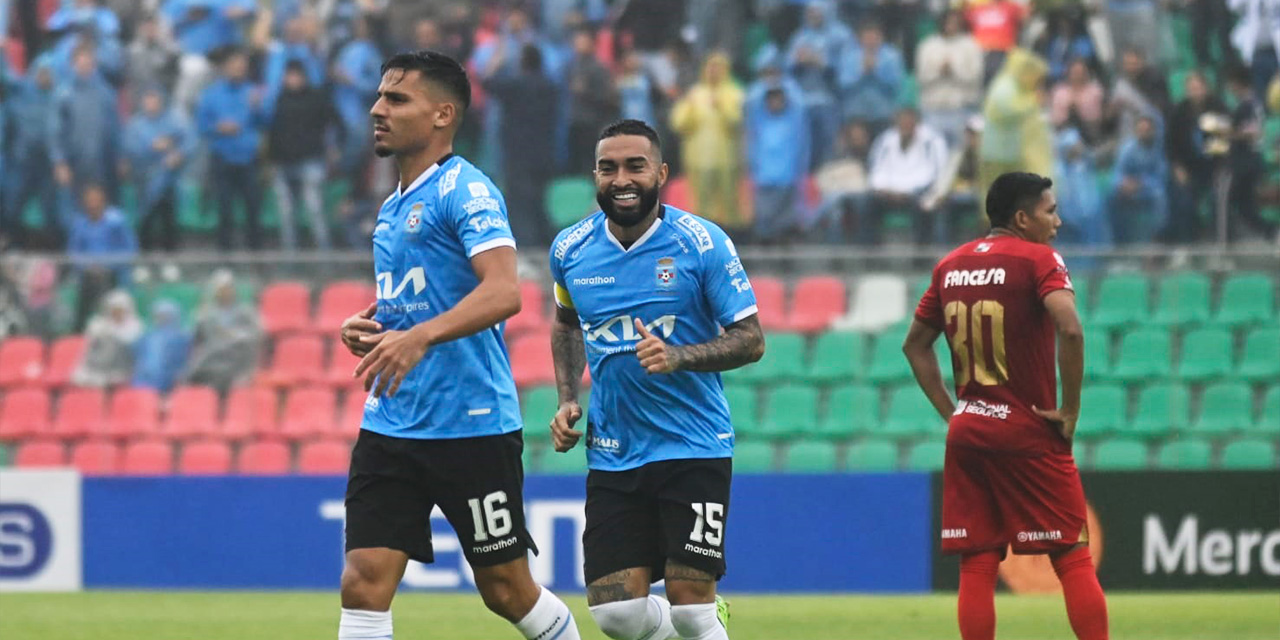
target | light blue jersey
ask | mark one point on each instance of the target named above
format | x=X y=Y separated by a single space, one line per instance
x=422 y=249
x=683 y=279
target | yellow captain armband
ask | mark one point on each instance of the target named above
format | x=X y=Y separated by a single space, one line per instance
x=562 y=297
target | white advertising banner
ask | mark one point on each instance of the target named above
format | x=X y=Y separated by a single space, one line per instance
x=40 y=536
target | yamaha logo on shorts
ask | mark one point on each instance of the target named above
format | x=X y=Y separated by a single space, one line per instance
x=413 y=223
x=666 y=273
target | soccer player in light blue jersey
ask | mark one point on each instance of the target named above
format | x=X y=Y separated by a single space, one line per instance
x=655 y=300
x=441 y=424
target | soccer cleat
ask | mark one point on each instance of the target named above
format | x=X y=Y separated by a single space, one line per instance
x=722 y=611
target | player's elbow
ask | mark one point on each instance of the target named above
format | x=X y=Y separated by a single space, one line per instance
x=755 y=350
x=1071 y=334
x=506 y=299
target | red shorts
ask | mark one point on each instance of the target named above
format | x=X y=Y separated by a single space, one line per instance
x=991 y=500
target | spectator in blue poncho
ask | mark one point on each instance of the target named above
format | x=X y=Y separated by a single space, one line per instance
x=161 y=353
x=24 y=114
x=1083 y=219
x=356 y=73
x=870 y=78
x=298 y=46
x=84 y=127
x=231 y=118
x=157 y=143
x=777 y=151
x=811 y=58
x=101 y=246
x=1138 y=202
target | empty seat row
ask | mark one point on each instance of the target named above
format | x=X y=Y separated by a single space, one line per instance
x=152 y=457
x=1182 y=299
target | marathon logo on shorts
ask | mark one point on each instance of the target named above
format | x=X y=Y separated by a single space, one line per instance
x=703 y=551
x=496 y=546
x=1038 y=536
x=983 y=409
x=954 y=534
x=973 y=278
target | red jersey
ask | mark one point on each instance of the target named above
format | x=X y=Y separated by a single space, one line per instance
x=996 y=24
x=988 y=297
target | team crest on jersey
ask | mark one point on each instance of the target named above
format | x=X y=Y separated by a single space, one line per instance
x=666 y=273
x=413 y=224
x=982 y=247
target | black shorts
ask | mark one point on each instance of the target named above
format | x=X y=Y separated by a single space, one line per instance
x=477 y=482
x=666 y=510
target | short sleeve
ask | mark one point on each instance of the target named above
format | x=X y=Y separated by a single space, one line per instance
x=724 y=280
x=560 y=291
x=929 y=309
x=479 y=216
x=1051 y=274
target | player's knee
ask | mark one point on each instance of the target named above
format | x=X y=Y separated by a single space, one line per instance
x=693 y=620
x=502 y=597
x=623 y=620
x=363 y=587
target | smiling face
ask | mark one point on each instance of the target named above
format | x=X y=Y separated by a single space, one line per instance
x=408 y=111
x=629 y=175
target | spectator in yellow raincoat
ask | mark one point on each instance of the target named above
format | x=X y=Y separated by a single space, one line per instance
x=708 y=120
x=1017 y=136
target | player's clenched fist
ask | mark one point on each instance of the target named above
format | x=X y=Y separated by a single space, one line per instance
x=655 y=356
x=356 y=327
x=563 y=435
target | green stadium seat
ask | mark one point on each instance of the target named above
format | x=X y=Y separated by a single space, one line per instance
x=872 y=455
x=569 y=200
x=1097 y=356
x=888 y=365
x=1118 y=454
x=1206 y=354
x=754 y=457
x=1144 y=355
x=837 y=357
x=6 y=456
x=1249 y=454
x=570 y=463
x=1162 y=409
x=185 y=294
x=851 y=410
x=1080 y=285
x=1247 y=298
x=1269 y=420
x=1103 y=408
x=927 y=456
x=910 y=414
x=1185 y=455
x=537 y=407
x=783 y=360
x=811 y=457
x=530 y=456
x=1261 y=359
x=1225 y=407
x=742 y=408
x=1123 y=300
x=1183 y=300
x=918 y=287
x=790 y=410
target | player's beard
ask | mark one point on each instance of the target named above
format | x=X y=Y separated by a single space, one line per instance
x=647 y=200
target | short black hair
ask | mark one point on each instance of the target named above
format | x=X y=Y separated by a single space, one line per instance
x=630 y=127
x=1014 y=192
x=437 y=68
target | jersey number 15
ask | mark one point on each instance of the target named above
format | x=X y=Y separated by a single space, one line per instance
x=976 y=359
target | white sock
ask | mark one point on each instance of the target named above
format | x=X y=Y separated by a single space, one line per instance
x=356 y=624
x=549 y=620
x=639 y=619
x=698 y=622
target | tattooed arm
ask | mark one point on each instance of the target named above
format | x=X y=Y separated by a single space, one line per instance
x=569 y=355
x=741 y=343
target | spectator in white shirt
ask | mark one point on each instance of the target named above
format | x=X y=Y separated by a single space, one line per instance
x=949 y=70
x=905 y=161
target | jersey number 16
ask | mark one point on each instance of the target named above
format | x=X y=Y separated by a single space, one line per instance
x=977 y=360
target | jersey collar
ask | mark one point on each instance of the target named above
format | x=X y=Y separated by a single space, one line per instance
x=423 y=178
x=653 y=228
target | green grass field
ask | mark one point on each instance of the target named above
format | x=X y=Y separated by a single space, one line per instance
x=105 y=615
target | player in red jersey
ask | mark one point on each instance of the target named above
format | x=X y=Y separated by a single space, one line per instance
x=1009 y=478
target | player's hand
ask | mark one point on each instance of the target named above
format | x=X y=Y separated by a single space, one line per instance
x=358 y=326
x=563 y=435
x=394 y=355
x=655 y=356
x=1065 y=423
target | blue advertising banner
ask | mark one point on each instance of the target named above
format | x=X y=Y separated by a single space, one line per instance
x=785 y=533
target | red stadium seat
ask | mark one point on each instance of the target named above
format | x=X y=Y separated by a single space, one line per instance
x=308 y=412
x=193 y=412
x=24 y=413
x=134 y=413
x=96 y=457
x=341 y=365
x=816 y=302
x=64 y=356
x=40 y=453
x=297 y=360
x=533 y=311
x=286 y=306
x=80 y=413
x=352 y=414
x=771 y=300
x=251 y=411
x=676 y=193
x=338 y=301
x=21 y=361
x=531 y=360
x=147 y=458
x=264 y=458
x=205 y=457
x=326 y=457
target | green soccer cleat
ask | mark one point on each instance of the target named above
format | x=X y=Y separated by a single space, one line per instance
x=722 y=611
